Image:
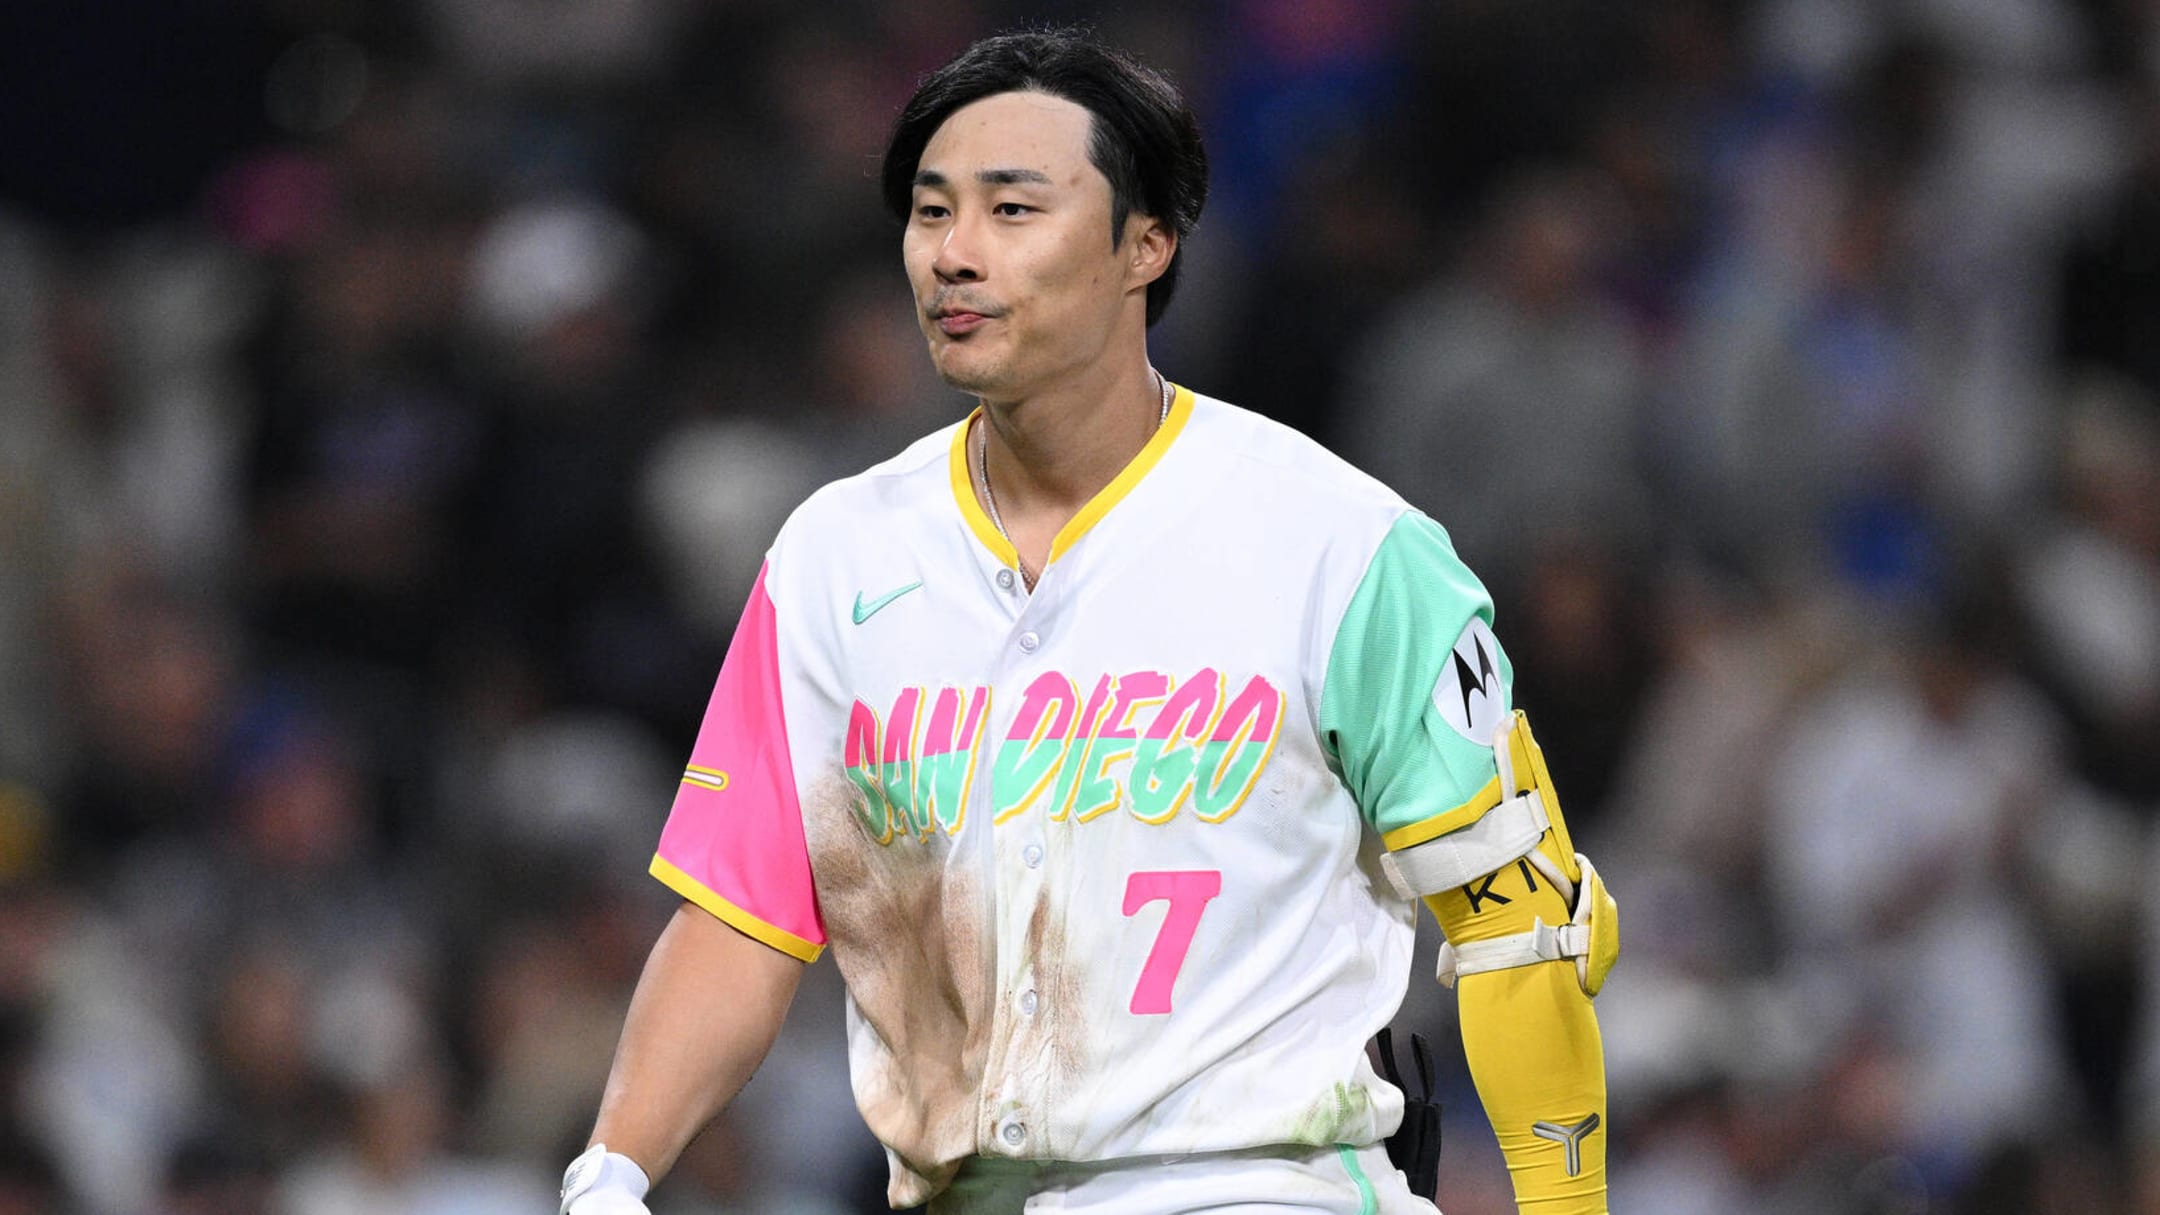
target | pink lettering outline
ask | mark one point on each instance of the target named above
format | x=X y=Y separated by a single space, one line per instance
x=1134 y=689
x=1051 y=690
x=951 y=741
x=1048 y=710
x=1068 y=784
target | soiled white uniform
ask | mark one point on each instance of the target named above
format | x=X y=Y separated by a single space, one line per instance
x=1099 y=863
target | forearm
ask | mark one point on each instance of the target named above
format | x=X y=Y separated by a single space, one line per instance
x=1531 y=1037
x=706 y=1010
x=1531 y=938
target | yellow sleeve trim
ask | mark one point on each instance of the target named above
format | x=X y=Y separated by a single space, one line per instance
x=735 y=917
x=1451 y=820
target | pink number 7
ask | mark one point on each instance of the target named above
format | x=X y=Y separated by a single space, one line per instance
x=1188 y=891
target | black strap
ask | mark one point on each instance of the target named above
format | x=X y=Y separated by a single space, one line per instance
x=1415 y=1146
x=1386 y=1039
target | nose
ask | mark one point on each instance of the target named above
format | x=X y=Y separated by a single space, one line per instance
x=959 y=254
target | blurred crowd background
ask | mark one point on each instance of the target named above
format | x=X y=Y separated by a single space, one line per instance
x=396 y=397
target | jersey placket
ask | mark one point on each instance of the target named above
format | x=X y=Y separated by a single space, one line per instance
x=1014 y=1114
x=1033 y=867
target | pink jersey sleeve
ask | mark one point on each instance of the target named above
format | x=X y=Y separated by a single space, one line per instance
x=733 y=843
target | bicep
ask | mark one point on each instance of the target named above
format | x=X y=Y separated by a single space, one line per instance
x=1416 y=688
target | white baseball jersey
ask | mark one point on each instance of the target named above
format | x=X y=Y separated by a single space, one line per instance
x=1099 y=863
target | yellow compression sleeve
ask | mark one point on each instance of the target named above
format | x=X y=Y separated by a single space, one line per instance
x=1531 y=1037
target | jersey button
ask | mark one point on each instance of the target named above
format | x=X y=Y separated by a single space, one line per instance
x=1005 y=580
x=1032 y=854
x=1027 y=1002
x=1028 y=642
x=1013 y=1134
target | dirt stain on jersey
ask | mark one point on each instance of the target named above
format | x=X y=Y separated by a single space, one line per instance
x=1062 y=1022
x=907 y=932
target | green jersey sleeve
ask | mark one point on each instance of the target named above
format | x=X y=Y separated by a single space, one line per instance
x=1416 y=685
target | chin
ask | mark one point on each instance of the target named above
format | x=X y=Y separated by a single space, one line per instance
x=971 y=375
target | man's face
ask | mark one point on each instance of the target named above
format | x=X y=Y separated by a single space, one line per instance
x=1017 y=283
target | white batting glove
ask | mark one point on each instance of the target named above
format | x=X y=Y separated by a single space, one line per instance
x=602 y=1182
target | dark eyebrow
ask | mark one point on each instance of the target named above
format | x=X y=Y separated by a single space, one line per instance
x=935 y=180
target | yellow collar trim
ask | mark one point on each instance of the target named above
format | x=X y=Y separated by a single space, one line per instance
x=971 y=509
x=978 y=520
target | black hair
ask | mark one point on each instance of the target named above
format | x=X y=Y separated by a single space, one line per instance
x=1143 y=136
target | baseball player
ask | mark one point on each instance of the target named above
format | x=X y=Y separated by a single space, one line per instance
x=1109 y=739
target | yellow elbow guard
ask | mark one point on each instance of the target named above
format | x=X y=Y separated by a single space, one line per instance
x=1591 y=937
x=1519 y=833
x=1529 y=1031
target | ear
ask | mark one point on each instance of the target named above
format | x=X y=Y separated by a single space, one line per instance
x=1148 y=247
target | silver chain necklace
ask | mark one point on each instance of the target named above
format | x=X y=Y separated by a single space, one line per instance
x=982 y=470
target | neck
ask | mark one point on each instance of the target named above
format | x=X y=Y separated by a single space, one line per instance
x=1048 y=454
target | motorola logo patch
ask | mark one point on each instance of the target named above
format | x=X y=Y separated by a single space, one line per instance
x=1469 y=693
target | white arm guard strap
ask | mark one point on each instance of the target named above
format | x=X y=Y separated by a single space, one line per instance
x=1502 y=835
x=601 y=1182
x=1591 y=939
